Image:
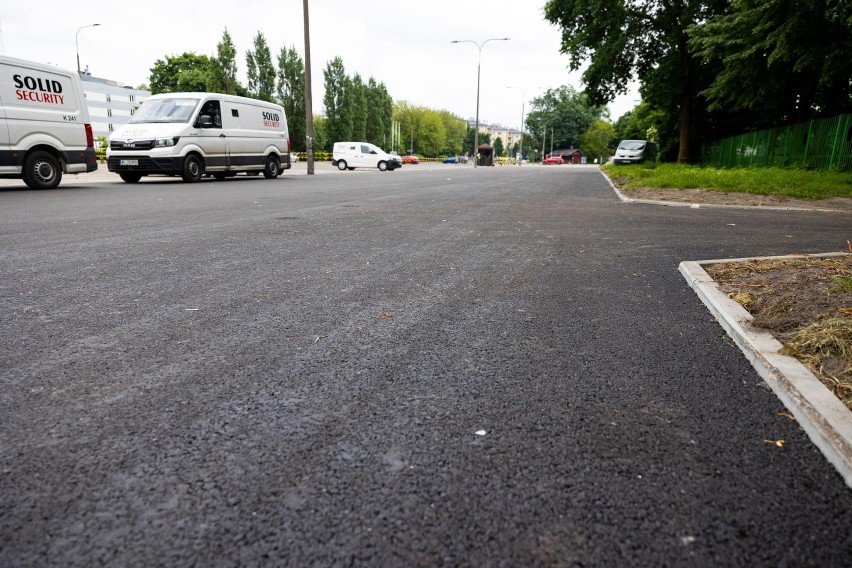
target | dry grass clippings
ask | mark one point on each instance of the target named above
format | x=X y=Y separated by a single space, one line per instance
x=806 y=303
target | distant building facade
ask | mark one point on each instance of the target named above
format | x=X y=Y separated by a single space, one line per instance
x=509 y=136
x=110 y=103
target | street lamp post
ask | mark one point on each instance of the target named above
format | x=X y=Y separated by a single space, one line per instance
x=523 y=116
x=479 y=46
x=77 y=43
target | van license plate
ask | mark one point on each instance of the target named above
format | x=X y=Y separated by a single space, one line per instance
x=128 y=162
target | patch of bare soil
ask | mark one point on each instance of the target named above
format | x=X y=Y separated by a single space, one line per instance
x=806 y=303
x=709 y=197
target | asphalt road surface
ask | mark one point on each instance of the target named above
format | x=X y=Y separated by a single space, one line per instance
x=438 y=366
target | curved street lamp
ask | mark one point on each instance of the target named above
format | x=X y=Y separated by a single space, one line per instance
x=77 y=43
x=478 y=67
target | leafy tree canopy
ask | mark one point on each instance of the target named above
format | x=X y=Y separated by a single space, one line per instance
x=781 y=61
x=564 y=112
x=188 y=72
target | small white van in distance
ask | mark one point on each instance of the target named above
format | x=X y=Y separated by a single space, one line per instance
x=351 y=155
x=193 y=134
x=45 y=129
x=635 y=152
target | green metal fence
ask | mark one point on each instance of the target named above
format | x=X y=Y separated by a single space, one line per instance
x=824 y=144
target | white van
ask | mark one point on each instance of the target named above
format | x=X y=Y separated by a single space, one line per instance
x=351 y=155
x=634 y=152
x=45 y=129
x=193 y=134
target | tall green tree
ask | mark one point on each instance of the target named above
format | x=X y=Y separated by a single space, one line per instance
x=781 y=61
x=498 y=147
x=563 y=112
x=637 y=123
x=646 y=39
x=260 y=70
x=188 y=72
x=379 y=113
x=431 y=136
x=291 y=94
x=456 y=130
x=224 y=66
x=358 y=103
x=338 y=111
x=597 y=141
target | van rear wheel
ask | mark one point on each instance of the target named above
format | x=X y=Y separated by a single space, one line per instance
x=130 y=177
x=192 y=169
x=42 y=170
x=383 y=166
x=273 y=167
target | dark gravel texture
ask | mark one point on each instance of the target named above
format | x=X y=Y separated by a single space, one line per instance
x=294 y=372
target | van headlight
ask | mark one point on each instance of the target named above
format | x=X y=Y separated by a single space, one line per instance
x=165 y=142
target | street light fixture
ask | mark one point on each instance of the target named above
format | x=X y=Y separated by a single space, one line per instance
x=523 y=116
x=479 y=46
x=77 y=43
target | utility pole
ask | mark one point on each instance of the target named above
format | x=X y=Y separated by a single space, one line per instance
x=309 y=111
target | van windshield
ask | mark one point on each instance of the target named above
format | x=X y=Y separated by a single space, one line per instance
x=165 y=110
x=632 y=145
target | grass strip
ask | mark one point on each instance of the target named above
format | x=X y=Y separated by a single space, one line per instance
x=799 y=184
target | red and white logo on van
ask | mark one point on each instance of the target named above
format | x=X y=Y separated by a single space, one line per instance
x=38 y=89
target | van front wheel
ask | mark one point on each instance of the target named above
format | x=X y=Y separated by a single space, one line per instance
x=383 y=166
x=341 y=165
x=192 y=169
x=42 y=171
x=272 y=169
x=130 y=177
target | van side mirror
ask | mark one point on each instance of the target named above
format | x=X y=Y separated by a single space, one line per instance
x=204 y=121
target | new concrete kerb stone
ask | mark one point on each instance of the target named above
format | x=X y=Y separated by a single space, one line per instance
x=824 y=418
x=821 y=415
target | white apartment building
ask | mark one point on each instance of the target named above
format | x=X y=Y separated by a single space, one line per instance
x=110 y=103
x=509 y=136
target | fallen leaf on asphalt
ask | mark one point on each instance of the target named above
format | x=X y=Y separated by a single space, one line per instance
x=787 y=415
x=779 y=443
x=386 y=315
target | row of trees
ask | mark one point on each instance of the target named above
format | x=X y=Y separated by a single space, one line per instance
x=283 y=83
x=711 y=68
x=355 y=110
x=359 y=110
x=429 y=132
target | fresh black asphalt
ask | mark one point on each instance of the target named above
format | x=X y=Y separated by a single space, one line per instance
x=443 y=366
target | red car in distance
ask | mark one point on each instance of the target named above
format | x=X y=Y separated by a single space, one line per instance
x=410 y=160
x=554 y=160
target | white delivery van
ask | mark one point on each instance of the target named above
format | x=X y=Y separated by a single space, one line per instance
x=45 y=129
x=193 y=134
x=635 y=152
x=351 y=155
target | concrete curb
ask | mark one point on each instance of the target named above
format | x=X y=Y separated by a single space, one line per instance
x=626 y=199
x=824 y=418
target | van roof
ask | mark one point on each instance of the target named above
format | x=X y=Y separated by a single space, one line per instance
x=35 y=65
x=220 y=96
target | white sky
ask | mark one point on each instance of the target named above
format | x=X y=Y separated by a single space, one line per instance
x=404 y=44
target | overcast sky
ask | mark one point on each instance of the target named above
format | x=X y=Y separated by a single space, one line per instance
x=404 y=44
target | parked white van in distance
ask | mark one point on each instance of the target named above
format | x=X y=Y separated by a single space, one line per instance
x=634 y=152
x=351 y=155
x=45 y=129
x=193 y=134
